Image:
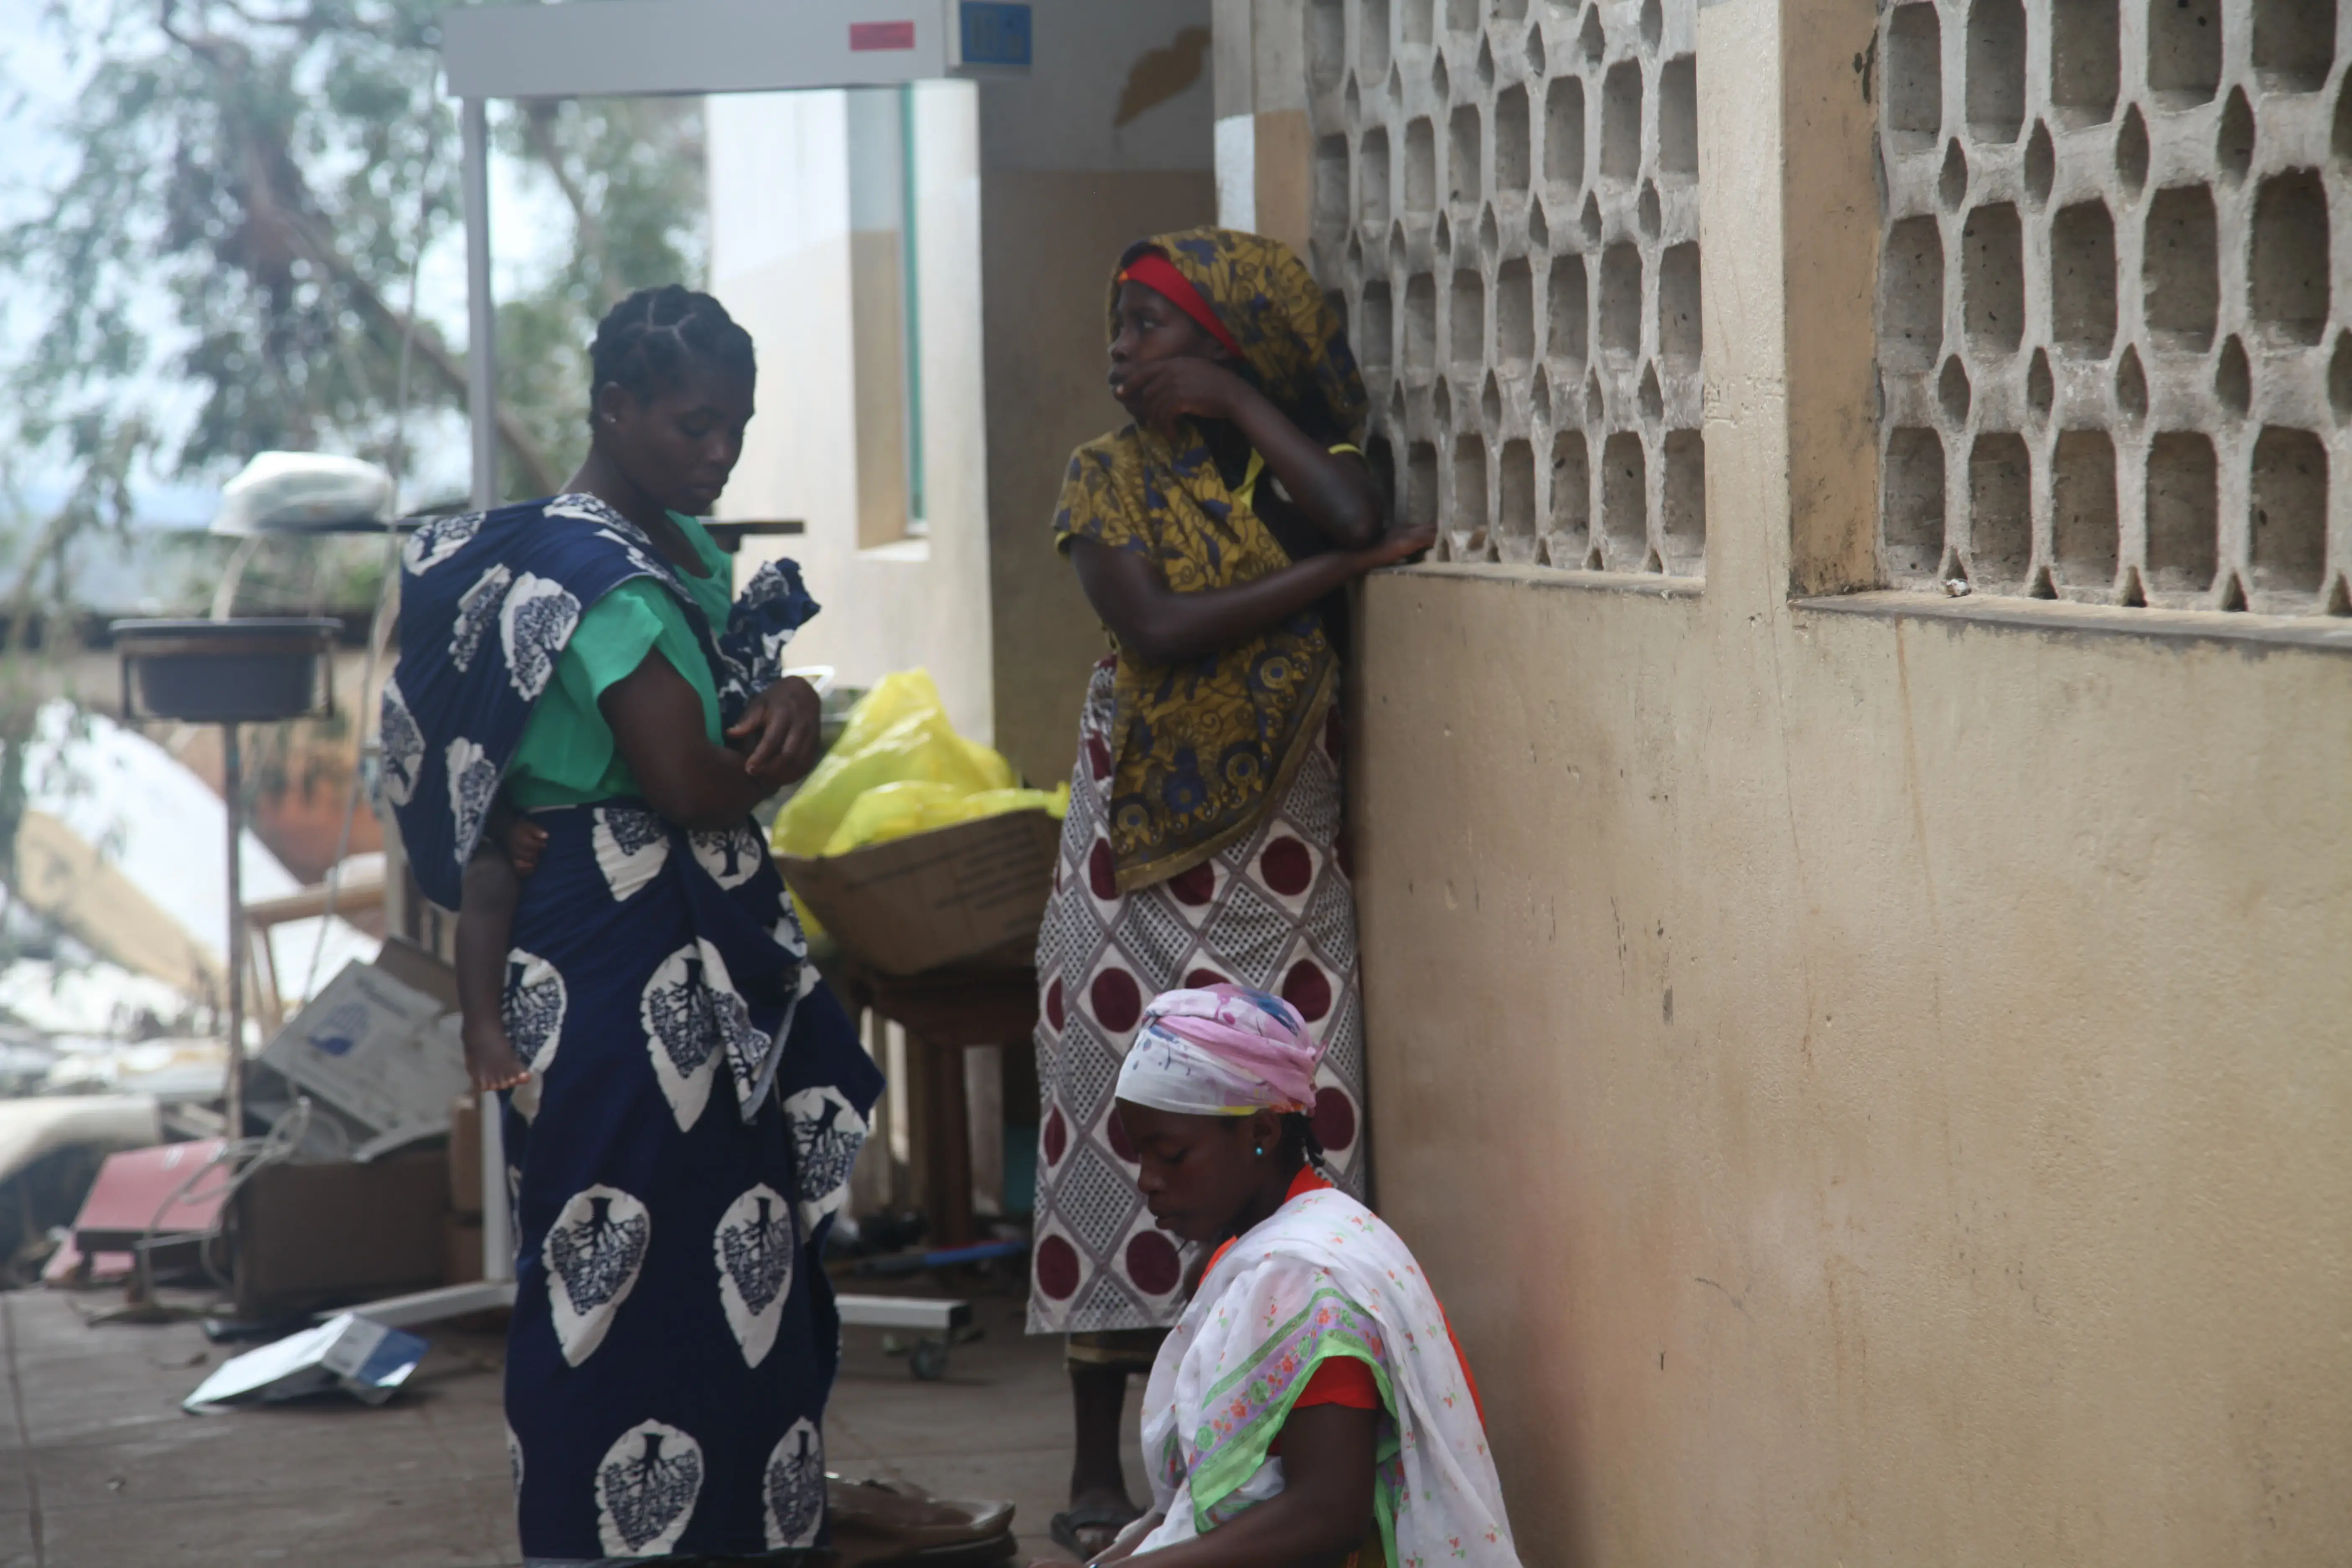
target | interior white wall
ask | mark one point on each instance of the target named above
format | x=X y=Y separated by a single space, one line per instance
x=780 y=261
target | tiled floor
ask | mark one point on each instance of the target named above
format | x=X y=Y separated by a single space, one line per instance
x=108 y=1472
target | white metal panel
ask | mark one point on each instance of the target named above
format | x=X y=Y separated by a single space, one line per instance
x=917 y=1313
x=593 y=48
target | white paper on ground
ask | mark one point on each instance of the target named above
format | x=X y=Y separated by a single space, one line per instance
x=364 y=1358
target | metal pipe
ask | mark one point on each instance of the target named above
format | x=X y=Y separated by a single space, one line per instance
x=481 y=311
x=497 y=1214
x=481 y=411
x=233 y=789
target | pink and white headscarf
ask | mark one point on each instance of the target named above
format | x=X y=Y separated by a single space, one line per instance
x=1223 y=1051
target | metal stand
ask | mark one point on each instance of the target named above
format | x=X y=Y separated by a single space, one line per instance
x=232 y=791
x=481 y=309
x=228 y=672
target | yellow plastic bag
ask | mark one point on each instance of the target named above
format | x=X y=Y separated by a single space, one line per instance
x=901 y=810
x=899 y=769
x=898 y=733
x=1055 y=803
x=892 y=811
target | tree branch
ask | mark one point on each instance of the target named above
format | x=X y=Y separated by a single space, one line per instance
x=446 y=368
x=299 y=21
x=298 y=220
x=538 y=132
x=255 y=184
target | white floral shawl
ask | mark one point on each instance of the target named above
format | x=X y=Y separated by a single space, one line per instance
x=1321 y=1278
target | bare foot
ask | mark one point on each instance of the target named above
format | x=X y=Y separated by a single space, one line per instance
x=490 y=1059
x=1091 y=1526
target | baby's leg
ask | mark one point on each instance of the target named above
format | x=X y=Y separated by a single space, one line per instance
x=485 y=934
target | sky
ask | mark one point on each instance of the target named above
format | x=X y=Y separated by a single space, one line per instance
x=36 y=83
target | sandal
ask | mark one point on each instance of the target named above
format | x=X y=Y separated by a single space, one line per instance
x=877 y=1521
x=1094 y=1516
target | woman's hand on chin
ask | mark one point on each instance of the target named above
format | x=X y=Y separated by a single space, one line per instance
x=779 y=732
x=1164 y=391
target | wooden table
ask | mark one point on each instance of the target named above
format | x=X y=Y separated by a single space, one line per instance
x=944 y=1012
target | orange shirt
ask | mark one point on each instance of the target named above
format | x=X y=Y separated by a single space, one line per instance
x=1344 y=1380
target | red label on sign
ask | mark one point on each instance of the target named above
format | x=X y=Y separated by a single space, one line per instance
x=865 y=36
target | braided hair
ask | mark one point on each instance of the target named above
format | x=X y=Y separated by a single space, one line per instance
x=647 y=341
x=1298 y=1138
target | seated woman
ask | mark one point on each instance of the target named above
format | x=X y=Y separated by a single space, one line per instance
x=1311 y=1405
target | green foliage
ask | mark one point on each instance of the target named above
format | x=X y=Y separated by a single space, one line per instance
x=272 y=173
x=223 y=266
x=629 y=171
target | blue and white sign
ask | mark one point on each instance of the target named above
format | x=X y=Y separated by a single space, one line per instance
x=994 y=33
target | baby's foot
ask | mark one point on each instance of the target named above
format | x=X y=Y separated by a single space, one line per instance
x=490 y=1059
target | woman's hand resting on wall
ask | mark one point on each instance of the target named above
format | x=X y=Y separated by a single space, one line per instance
x=1153 y=621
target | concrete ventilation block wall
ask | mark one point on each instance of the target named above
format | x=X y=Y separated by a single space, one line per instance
x=2114 y=330
x=1540 y=231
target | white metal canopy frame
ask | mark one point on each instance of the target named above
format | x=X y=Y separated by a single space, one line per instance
x=652 y=48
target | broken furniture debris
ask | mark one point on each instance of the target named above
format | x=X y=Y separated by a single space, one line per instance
x=164 y=1202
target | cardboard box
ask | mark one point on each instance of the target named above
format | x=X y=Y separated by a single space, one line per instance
x=420 y=969
x=315 y=1235
x=465 y=1156
x=461 y=1249
x=936 y=898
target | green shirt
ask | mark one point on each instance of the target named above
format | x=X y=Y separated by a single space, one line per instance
x=567 y=756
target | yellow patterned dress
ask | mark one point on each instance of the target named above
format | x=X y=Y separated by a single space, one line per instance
x=1203 y=840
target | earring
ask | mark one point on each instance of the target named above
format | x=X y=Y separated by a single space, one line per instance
x=1261 y=1150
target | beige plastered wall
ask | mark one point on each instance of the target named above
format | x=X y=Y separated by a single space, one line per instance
x=1108 y=142
x=781 y=258
x=1871 y=1089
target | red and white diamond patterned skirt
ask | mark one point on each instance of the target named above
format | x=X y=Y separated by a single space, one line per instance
x=1275 y=912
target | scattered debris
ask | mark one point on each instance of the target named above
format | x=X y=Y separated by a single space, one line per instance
x=166 y=1200
x=92 y=1000
x=317 y=1236
x=50 y=1151
x=362 y=1357
x=120 y=844
x=169 y=1071
x=380 y=1046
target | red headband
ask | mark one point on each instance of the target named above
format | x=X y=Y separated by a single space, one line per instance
x=1159 y=274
